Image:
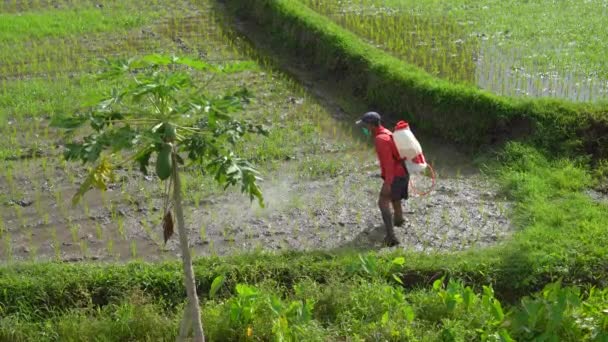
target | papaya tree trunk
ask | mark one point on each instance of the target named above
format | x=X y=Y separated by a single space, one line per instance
x=193 y=304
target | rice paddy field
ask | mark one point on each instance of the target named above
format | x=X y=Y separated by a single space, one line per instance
x=515 y=48
x=319 y=180
x=509 y=246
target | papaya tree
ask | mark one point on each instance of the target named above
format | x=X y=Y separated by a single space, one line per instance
x=158 y=114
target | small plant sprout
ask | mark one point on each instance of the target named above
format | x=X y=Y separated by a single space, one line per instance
x=158 y=111
x=84 y=248
x=110 y=245
x=133 y=249
x=120 y=223
x=98 y=232
x=8 y=247
x=74 y=232
x=203 y=233
x=57 y=250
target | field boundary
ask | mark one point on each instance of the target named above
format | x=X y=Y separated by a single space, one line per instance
x=457 y=112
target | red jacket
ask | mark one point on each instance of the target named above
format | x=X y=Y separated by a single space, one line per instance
x=390 y=165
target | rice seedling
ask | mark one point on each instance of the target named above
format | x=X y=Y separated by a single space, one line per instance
x=74 y=230
x=203 y=232
x=8 y=246
x=84 y=248
x=46 y=218
x=98 y=232
x=483 y=42
x=133 y=249
x=121 y=227
x=110 y=245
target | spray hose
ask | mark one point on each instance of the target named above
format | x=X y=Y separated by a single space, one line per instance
x=433 y=183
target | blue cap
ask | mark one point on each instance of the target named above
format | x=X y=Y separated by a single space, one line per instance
x=369 y=118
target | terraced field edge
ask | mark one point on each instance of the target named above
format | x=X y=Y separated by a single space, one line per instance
x=458 y=112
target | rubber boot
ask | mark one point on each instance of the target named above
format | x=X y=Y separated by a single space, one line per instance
x=390 y=240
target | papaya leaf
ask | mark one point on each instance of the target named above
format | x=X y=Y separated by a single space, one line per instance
x=143 y=159
x=99 y=177
x=68 y=122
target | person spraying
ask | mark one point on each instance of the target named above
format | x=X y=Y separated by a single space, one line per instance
x=393 y=171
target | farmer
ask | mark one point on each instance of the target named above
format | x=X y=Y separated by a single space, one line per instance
x=395 y=176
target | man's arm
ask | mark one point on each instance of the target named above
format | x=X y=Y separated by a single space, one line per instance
x=386 y=158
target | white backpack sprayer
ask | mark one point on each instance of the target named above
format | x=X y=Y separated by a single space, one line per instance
x=410 y=152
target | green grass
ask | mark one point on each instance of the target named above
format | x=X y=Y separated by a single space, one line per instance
x=509 y=47
x=70 y=22
x=48 y=97
x=360 y=304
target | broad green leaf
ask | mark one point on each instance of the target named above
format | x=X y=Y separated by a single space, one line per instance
x=504 y=336
x=157 y=59
x=397 y=279
x=276 y=306
x=216 y=284
x=197 y=64
x=399 y=261
x=246 y=291
x=468 y=297
x=438 y=284
x=497 y=311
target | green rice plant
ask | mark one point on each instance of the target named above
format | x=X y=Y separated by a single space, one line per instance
x=74 y=229
x=8 y=246
x=121 y=227
x=86 y=208
x=110 y=245
x=203 y=232
x=98 y=232
x=133 y=249
x=55 y=243
x=84 y=248
x=19 y=214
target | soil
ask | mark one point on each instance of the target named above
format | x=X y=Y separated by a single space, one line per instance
x=334 y=213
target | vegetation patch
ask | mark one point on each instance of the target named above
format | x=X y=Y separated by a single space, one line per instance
x=457 y=112
x=508 y=47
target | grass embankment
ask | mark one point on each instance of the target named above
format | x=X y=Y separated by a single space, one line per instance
x=457 y=112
